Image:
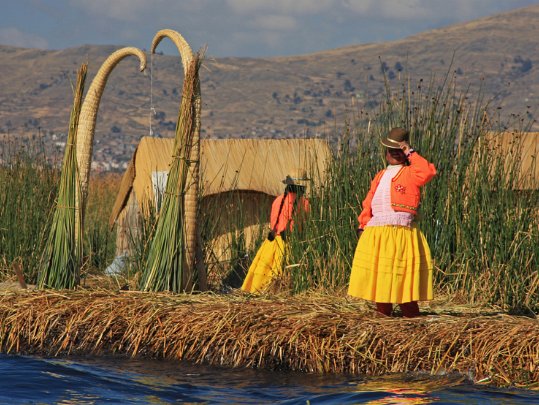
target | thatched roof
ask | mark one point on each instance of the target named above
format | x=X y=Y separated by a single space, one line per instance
x=522 y=147
x=226 y=165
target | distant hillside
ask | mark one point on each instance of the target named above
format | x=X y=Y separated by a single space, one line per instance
x=275 y=97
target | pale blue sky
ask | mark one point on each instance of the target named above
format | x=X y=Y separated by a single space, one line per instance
x=257 y=28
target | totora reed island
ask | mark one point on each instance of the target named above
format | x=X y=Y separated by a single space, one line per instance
x=408 y=242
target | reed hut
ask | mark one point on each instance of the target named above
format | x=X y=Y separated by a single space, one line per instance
x=239 y=180
x=519 y=152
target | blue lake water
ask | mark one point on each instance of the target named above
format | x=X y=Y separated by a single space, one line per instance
x=35 y=380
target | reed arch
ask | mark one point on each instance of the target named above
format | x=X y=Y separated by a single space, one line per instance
x=88 y=116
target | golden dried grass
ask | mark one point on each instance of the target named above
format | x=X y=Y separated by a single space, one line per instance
x=312 y=333
x=102 y=193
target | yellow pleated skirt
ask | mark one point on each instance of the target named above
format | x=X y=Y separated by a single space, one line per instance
x=392 y=264
x=267 y=264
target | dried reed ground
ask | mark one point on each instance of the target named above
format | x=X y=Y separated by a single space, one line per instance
x=309 y=333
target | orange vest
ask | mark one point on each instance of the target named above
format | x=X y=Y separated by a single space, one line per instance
x=285 y=219
x=405 y=195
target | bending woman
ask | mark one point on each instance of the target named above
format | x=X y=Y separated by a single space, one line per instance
x=268 y=262
x=392 y=263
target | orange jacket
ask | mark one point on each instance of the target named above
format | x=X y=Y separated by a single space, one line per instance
x=285 y=220
x=405 y=195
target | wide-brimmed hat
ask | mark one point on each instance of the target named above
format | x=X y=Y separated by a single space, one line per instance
x=395 y=136
x=296 y=177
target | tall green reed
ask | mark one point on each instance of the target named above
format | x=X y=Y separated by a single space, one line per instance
x=480 y=224
x=29 y=185
x=322 y=246
x=140 y=236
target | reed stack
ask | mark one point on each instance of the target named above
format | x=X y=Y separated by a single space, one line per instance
x=311 y=333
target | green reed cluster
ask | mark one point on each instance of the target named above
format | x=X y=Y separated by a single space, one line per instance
x=27 y=194
x=27 y=200
x=99 y=239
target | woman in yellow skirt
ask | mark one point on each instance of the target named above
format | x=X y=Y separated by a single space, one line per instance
x=268 y=262
x=392 y=263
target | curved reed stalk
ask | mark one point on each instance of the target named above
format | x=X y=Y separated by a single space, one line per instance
x=88 y=116
x=183 y=47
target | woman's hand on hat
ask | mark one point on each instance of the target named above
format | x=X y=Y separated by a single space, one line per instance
x=405 y=146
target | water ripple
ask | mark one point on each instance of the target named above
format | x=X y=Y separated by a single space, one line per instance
x=34 y=380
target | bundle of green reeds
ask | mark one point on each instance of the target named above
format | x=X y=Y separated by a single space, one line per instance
x=61 y=260
x=312 y=333
x=165 y=268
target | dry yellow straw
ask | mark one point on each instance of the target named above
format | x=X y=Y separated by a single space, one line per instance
x=319 y=334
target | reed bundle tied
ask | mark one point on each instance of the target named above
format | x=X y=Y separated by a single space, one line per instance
x=308 y=333
x=62 y=255
x=166 y=266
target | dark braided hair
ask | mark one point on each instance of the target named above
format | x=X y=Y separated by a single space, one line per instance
x=295 y=188
x=399 y=155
